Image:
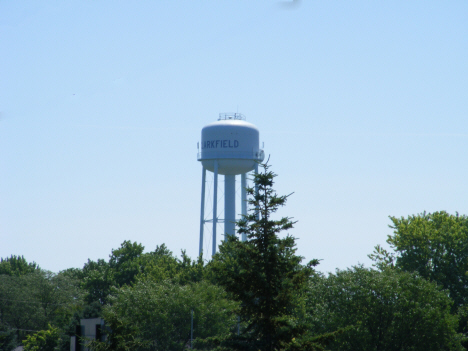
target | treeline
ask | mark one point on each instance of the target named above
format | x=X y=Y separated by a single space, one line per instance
x=254 y=295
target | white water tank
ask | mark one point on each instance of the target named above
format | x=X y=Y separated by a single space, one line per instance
x=233 y=142
x=229 y=146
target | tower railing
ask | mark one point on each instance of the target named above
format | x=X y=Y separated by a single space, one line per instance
x=231 y=115
x=243 y=155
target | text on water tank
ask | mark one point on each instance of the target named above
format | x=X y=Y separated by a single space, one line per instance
x=214 y=144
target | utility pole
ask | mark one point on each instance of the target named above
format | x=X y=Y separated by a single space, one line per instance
x=191 y=328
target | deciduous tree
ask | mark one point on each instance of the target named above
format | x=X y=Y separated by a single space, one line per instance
x=387 y=310
x=436 y=246
x=43 y=340
x=17 y=265
x=157 y=316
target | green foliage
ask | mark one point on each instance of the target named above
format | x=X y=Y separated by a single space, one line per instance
x=43 y=340
x=32 y=301
x=128 y=271
x=264 y=275
x=147 y=298
x=125 y=263
x=7 y=338
x=128 y=264
x=436 y=246
x=190 y=271
x=123 y=338
x=161 y=265
x=100 y=277
x=19 y=309
x=382 y=258
x=156 y=316
x=387 y=310
x=96 y=281
x=17 y=265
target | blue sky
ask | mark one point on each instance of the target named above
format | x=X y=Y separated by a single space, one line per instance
x=362 y=106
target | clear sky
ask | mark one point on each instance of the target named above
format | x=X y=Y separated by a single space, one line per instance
x=362 y=106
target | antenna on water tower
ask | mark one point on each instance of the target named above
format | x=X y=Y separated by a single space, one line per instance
x=229 y=146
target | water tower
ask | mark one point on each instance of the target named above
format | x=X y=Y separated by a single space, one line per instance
x=229 y=146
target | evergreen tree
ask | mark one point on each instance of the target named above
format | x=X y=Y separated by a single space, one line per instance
x=265 y=276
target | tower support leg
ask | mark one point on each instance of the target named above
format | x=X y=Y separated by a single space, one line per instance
x=229 y=204
x=215 y=205
x=202 y=211
x=244 y=200
x=257 y=211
